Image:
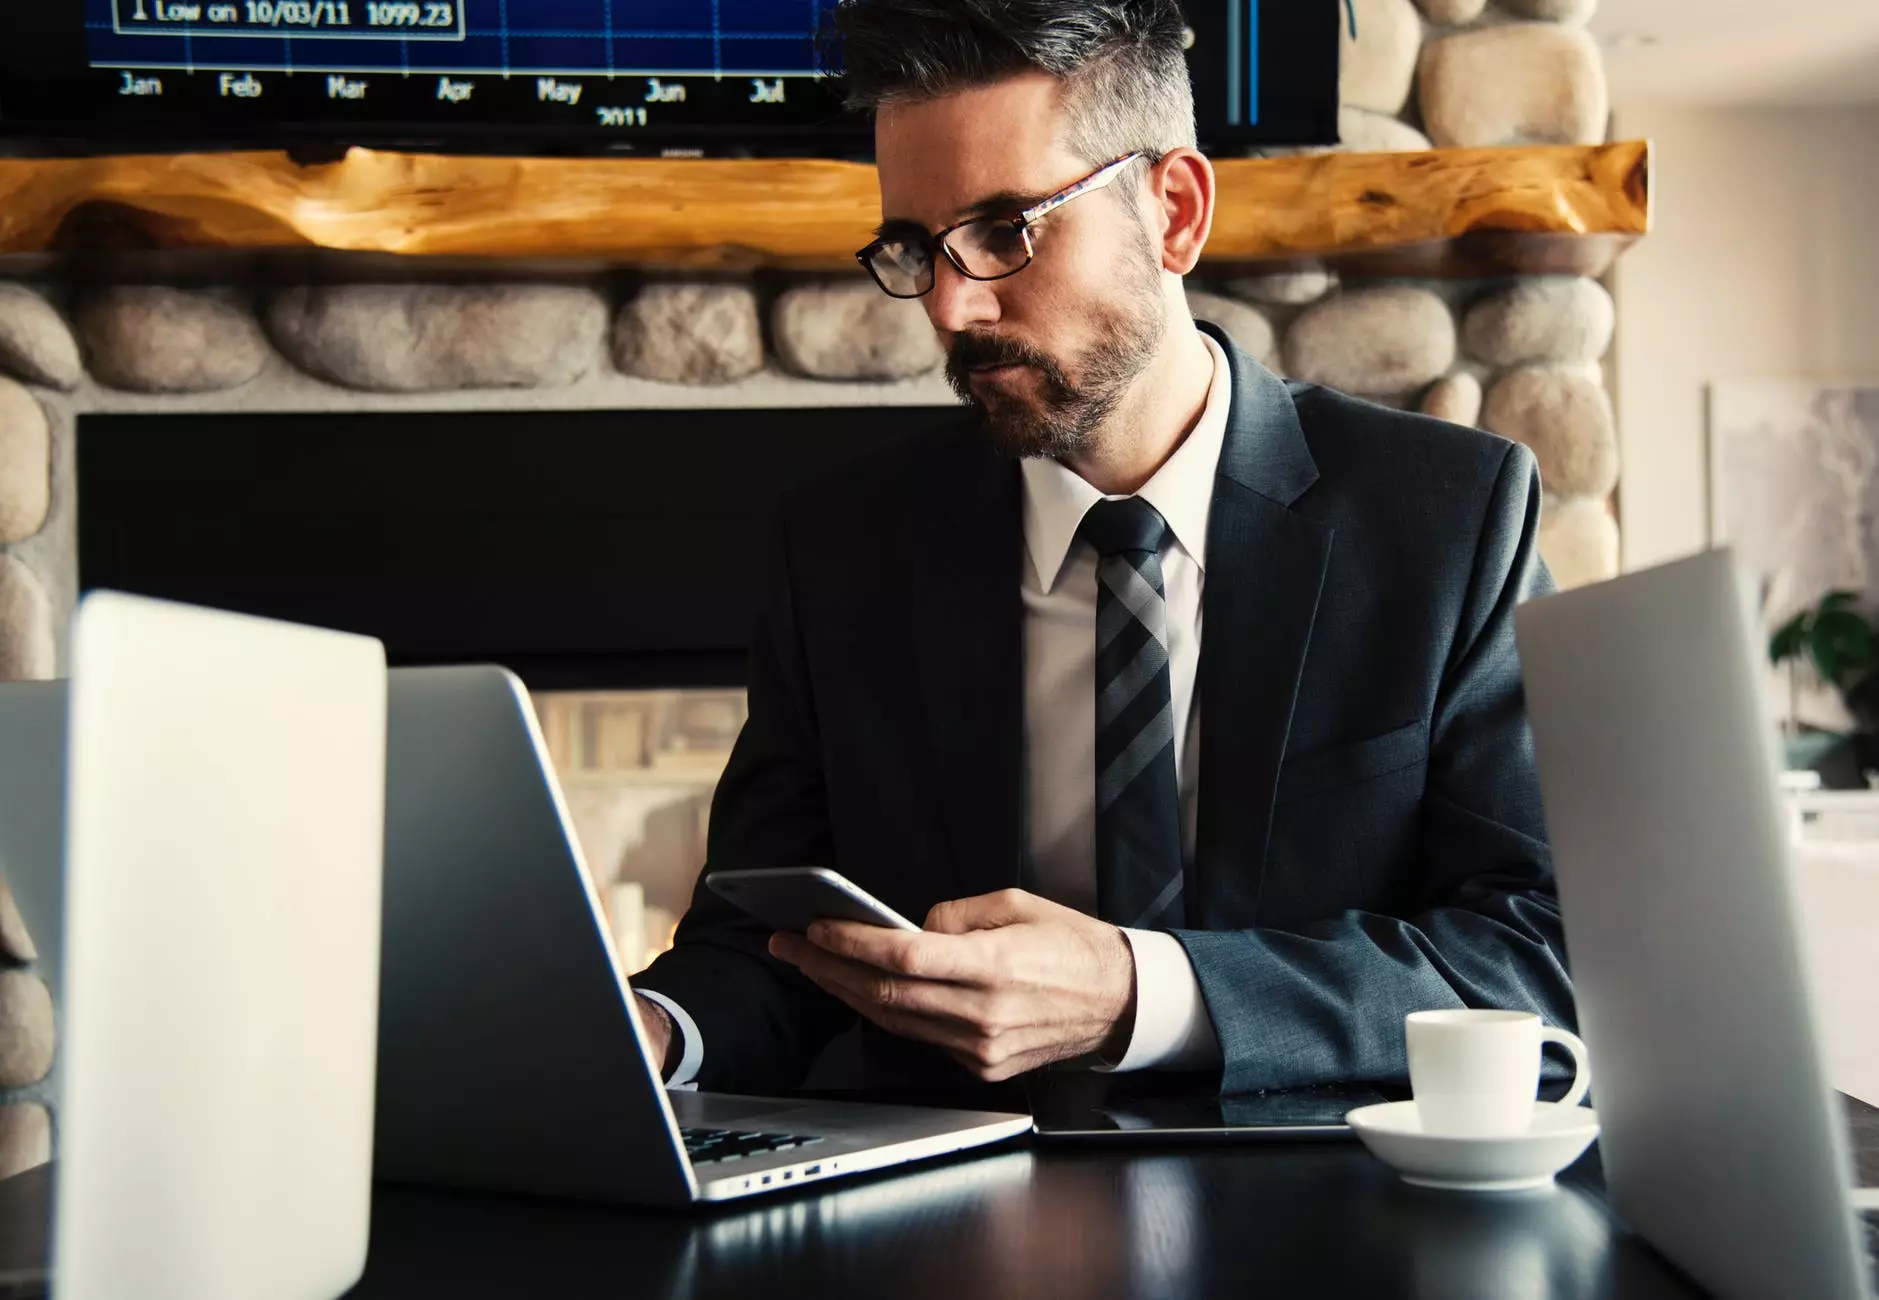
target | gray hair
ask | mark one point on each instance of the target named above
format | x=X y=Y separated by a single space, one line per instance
x=1120 y=62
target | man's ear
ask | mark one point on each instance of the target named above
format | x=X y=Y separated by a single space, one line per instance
x=1181 y=194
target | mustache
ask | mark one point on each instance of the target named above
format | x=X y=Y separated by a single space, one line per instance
x=971 y=351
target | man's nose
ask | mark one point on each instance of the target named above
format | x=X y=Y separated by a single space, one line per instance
x=957 y=302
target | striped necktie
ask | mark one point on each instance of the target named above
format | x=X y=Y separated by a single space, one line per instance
x=1138 y=807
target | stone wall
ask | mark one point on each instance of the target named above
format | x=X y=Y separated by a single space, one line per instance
x=1519 y=356
x=1465 y=74
x=27 y=618
x=26 y=1042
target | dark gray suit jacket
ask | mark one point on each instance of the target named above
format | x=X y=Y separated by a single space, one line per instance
x=1369 y=836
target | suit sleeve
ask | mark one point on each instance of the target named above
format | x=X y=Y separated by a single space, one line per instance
x=761 y=1021
x=1325 y=1001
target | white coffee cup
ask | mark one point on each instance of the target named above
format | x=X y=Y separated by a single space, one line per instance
x=1476 y=1073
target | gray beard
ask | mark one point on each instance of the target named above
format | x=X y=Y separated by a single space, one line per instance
x=1068 y=412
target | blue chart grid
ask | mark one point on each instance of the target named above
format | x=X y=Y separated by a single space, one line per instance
x=1243 y=16
x=575 y=37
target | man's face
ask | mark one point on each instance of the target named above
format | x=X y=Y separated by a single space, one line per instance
x=1044 y=356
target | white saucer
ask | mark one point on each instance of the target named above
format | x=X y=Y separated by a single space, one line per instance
x=1559 y=1136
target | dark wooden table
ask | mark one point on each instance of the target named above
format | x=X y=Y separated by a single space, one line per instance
x=1298 y=1219
x=1293 y=1220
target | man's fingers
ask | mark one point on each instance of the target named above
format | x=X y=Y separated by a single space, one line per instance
x=962 y=1020
x=818 y=963
x=1010 y=980
x=915 y=954
x=875 y=983
x=903 y=1022
x=991 y=1059
x=985 y=912
x=999 y=1067
x=955 y=1003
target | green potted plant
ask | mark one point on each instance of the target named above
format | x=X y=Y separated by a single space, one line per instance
x=1839 y=643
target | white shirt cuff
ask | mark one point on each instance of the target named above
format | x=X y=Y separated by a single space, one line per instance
x=692 y=1043
x=1172 y=1029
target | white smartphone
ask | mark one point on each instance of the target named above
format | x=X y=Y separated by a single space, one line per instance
x=789 y=898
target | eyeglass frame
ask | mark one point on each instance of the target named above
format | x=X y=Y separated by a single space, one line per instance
x=1022 y=223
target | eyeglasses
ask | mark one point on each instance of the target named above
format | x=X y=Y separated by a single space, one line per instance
x=985 y=248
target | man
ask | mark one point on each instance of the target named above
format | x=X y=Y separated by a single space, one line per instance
x=1182 y=702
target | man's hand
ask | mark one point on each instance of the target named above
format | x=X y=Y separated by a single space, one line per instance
x=1006 y=982
x=659 y=1033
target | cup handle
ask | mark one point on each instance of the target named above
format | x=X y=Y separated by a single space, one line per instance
x=1581 y=1067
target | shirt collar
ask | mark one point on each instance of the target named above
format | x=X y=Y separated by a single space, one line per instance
x=1056 y=497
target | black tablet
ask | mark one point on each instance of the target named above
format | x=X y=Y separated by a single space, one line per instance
x=1083 y=1106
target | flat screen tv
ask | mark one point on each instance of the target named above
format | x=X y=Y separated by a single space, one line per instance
x=713 y=77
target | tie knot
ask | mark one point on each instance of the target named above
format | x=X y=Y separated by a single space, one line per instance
x=1129 y=524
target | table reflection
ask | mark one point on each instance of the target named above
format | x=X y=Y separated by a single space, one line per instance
x=1277 y=1219
x=1194 y=1223
x=1541 y=1245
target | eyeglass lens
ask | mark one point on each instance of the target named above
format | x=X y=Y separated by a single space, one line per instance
x=986 y=250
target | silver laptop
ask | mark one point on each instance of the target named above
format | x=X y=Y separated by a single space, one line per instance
x=1723 y=1144
x=510 y=1053
x=203 y=804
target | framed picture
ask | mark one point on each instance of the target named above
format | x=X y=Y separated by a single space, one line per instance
x=1794 y=489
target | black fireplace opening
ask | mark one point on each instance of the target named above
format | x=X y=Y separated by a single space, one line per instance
x=581 y=549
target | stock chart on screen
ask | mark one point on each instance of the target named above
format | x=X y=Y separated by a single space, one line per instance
x=690 y=38
x=667 y=76
x=605 y=64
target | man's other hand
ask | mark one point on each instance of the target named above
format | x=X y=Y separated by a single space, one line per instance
x=659 y=1034
x=1005 y=982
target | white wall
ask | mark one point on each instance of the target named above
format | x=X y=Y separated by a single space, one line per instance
x=1837 y=894
x=1764 y=261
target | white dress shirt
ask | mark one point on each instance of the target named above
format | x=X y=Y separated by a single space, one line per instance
x=1172 y=1029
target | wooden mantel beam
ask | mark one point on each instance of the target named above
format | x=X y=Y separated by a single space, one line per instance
x=1446 y=211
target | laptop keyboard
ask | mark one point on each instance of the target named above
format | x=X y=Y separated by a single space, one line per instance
x=714 y=1145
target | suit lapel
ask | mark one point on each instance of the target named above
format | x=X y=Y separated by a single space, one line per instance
x=1265 y=571
x=967 y=620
